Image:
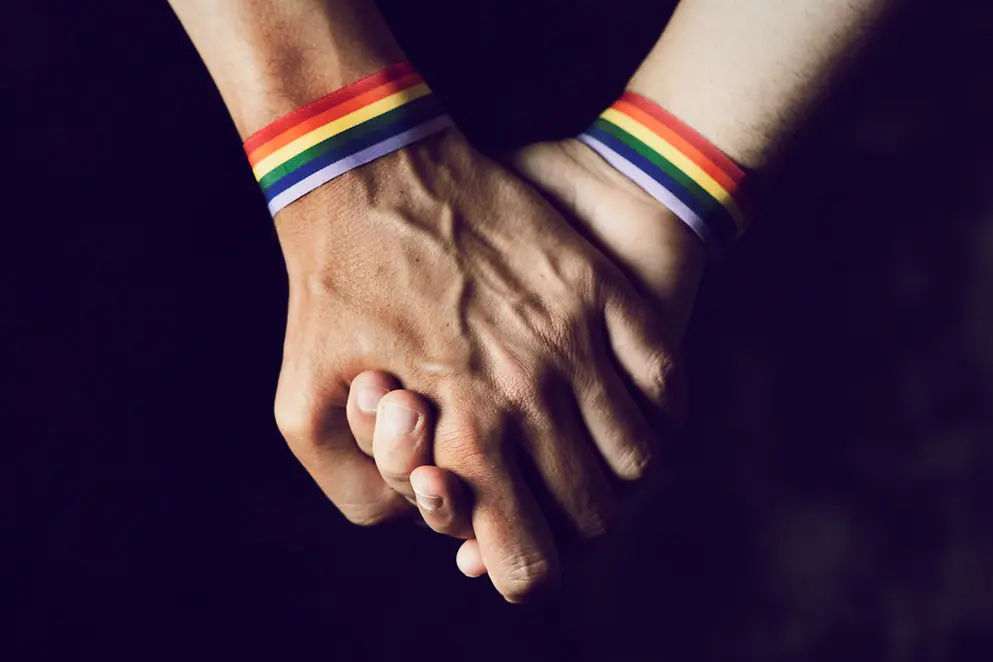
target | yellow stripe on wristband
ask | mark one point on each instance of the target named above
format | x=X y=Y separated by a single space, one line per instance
x=287 y=152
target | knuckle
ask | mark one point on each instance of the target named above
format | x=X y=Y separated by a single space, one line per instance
x=394 y=475
x=662 y=370
x=446 y=524
x=633 y=463
x=595 y=524
x=526 y=575
x=298 y=419
x=365 y=516
x=464 y=444
x=586 y=275
x=592 y=528
x=524 y=395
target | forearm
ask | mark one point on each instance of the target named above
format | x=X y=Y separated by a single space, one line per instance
x=269 y=57
x=741 y=72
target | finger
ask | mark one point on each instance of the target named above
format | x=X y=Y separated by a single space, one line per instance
x=401 y=440
x=514 y=541
x=319 y=437
x=443 y=501
x=565 y=456
x=618 y=426
x=364 y=395
x=636 y=337
x=469 y=560
x=402 y=449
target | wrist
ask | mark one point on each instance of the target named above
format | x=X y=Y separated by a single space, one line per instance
x=657 y=249
x=341 y=131
x=675 y=165
x=346 y=207
x=669 y=231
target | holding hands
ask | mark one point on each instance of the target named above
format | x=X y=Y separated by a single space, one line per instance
x=495 y=344
x=457 y=280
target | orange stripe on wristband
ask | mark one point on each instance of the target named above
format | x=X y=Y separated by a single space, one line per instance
x=333 y=113
x=389 y=74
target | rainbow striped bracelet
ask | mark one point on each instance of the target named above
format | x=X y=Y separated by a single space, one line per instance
x=675 y=165
x=346 y=129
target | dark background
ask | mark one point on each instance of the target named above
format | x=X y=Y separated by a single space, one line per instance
x=831 y=499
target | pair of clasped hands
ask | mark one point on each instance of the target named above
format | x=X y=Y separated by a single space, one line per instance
x=493 y=344
x=456 y=324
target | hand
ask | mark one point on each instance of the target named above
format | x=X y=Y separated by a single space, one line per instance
x=436 y=265
x=656 y=250
x=658 y=253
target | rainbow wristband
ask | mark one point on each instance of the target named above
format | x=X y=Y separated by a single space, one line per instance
x=342 y=131
x=675 y=165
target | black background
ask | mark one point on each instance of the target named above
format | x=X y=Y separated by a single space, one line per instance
x=831 y=499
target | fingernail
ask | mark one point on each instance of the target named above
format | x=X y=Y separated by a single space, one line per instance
x=369 y=398
x=399 y=420
x=428 y=503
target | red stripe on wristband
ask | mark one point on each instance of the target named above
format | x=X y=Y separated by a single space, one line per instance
x=271 y=131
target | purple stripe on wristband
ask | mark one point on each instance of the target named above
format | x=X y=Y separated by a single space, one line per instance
x=353 y=161
x=653 y=188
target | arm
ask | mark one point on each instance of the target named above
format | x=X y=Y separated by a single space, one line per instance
x=744 y=72
x=740 y=72
x=269 y=57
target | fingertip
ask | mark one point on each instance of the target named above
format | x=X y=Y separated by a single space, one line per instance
x=408 y=400
x=470 y=560
x=374 y=380
x=442 y=501
x=364 y=395
x=429 y=480
x=516 y=547
x=401 y=440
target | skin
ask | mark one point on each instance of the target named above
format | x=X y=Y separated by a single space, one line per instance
x=669 y=275
x=440 y=267
x=745 y=90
